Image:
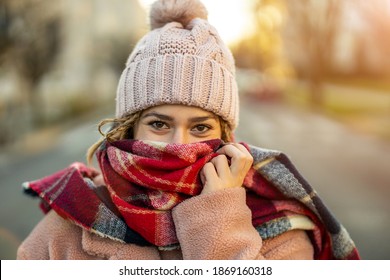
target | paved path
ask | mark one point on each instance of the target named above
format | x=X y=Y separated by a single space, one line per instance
x=351 y=172
x=19 y=213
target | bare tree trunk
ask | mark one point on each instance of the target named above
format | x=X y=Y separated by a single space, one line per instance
x=313 y=26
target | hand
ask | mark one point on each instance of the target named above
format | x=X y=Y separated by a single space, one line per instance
x=218 y=174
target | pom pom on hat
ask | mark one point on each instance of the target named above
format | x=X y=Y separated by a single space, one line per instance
x=185 y=62
x=183 y=11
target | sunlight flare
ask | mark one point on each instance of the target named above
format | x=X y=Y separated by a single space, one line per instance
x=231 y=18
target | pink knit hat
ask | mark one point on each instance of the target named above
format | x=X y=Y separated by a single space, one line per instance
x=182 y=60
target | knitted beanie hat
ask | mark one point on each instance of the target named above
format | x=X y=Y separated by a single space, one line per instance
x=182 y=60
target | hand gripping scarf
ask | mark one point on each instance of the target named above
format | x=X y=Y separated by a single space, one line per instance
x=146 y=180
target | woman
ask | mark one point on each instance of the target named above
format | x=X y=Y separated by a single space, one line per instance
x=172 y=183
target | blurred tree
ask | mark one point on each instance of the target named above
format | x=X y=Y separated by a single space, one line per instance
x=376 y=15
x=311 y=30
x=5 y=24
x=262 y=49
x=31 y=31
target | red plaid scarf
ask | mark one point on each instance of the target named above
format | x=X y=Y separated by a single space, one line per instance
x=145 y=180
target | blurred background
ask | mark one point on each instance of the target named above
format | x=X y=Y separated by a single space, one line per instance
x=313 y=77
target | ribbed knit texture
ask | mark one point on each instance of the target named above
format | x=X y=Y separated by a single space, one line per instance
x=187 y=65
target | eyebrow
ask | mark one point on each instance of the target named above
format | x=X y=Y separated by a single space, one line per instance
x=157 y=115
x=169 y=118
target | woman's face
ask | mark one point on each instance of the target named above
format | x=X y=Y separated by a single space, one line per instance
x=178 y=124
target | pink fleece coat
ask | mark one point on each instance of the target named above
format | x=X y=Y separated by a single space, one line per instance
x=212 y=226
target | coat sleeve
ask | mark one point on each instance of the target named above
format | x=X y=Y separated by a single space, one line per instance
x=219 y=226
x=53 y=238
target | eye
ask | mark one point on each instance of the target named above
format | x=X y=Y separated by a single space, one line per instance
x=158 y=124
x=201 y=128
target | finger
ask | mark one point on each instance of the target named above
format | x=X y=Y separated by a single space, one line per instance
x=202 y=177
x=221 y=165
x=242 y=148
x=209 y=172
x=248 y=155
x=241 y=159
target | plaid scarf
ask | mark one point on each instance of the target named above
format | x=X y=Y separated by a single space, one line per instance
x=145 y=180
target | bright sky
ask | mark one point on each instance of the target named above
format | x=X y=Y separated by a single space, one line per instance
x=230 y=18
